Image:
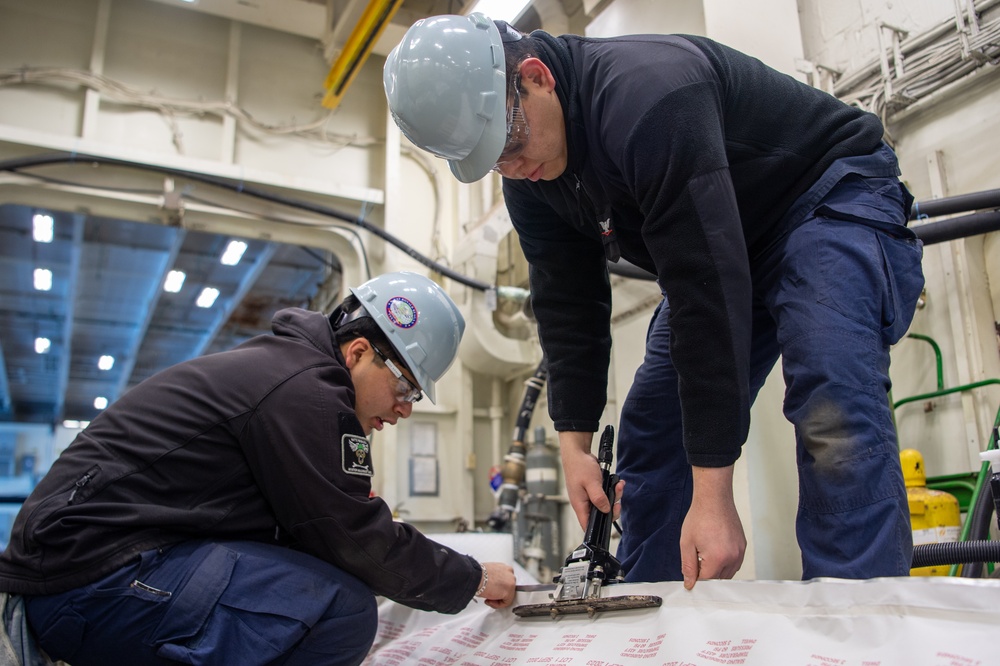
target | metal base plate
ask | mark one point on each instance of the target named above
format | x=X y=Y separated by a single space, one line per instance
x=589 y=606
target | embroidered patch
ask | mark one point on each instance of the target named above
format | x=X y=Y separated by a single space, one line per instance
x=401 y=312
x=356 y=454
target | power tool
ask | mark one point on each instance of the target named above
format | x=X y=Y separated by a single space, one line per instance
x=591 y=566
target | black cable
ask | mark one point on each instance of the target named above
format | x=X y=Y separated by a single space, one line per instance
x=187 y=196
x=335 y=266
x=16 y=164
x=270 y=218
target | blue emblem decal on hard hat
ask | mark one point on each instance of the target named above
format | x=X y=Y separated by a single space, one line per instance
x=356 y=454
x=401 y=312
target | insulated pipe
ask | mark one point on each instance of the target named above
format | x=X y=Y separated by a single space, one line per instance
x=957 y=204
x=958 y=227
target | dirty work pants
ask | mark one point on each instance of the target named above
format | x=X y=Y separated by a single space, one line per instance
x=830 y=297
x=202 y=602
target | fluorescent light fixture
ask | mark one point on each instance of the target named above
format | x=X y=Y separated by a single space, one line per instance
x=106 y=362
x=43 y=279
x=207 y=297
x=42 y=228
x=100 y=402
x=501 y=10
x=234 y=252
x=42 y=345
x=73 y=424
x=174 y=281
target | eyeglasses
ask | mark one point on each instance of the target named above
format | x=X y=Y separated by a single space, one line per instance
x=517 y=129
x=406 y=391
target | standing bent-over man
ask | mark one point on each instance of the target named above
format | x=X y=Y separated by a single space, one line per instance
x=774 y=220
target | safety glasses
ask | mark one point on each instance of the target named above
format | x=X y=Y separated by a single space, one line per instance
x=406 y=391
x=517 y=129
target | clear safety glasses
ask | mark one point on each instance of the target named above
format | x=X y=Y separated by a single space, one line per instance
x=406 y=391
x=517 y=129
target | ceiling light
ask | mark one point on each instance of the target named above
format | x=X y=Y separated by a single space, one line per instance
x=501 y=10
x=106 y=362
x=234 y=252
x=42 y=345
x=174 y=281
x=43 y=279
x=100 y=402
x=42 y=228
x=207 y=297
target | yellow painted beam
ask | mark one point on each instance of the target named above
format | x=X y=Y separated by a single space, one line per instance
x=358 y=47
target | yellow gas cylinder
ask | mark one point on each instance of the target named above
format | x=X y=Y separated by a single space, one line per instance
x=934 y=514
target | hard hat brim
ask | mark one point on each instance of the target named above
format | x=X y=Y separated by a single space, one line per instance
x=486 y=153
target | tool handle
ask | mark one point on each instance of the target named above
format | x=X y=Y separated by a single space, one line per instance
x=606 y=449
x=597 y=536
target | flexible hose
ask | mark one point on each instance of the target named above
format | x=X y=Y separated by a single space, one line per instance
x=957 y=552
x=514 y=462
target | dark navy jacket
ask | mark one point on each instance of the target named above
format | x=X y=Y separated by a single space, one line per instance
x=258 y=443
x=684 y=157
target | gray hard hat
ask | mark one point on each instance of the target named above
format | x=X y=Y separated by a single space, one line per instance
x=447 y=91
x=420 y=321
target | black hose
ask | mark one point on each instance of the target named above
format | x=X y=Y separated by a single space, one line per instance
x=250 y=190
x=980 y=517
x=533 y=387
x=514 y=462
x=957 y=552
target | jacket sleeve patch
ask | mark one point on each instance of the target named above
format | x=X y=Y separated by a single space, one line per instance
x=356 y=455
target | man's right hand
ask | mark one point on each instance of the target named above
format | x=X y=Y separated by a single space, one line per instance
x=500 y=584
x=712 y=543
x=584 y=486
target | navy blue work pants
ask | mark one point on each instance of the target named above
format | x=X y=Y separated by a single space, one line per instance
x=203 y=602
x=830 y=297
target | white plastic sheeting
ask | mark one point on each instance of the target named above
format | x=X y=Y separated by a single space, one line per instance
x=881 y=622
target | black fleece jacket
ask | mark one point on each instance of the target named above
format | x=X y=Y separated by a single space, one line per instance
x=683 y=157
x=251 y=444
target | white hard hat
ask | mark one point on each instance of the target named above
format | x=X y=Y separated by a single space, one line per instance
x=447 y=91
x=420 y=321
